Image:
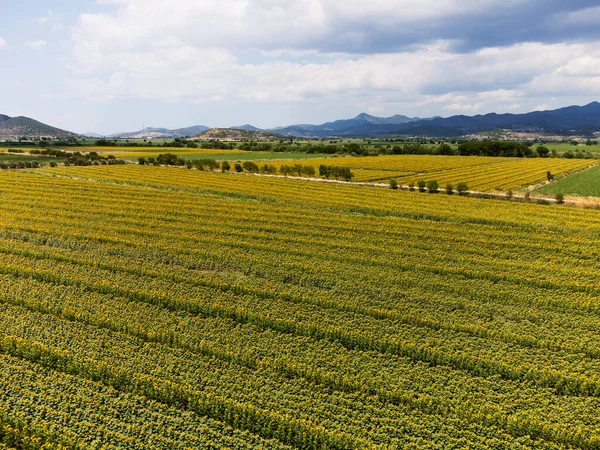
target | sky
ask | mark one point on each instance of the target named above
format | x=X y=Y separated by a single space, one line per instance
x=109 y=66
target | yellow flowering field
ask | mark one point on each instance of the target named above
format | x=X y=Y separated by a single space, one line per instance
x=156 y=307
x=480 y=173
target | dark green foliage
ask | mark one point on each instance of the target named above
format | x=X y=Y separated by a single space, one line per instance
x=445 y=149
x=543 y=151
x=308 y=171
x=268 y=169
x=462 y=188
x=250 y=166
x=506 y=149
x=432 y=186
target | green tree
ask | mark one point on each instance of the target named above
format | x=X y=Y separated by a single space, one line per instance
x=445 y=149
x=297 y=169
x=542 y=151
x=225 y=166
x=308 y=171
x=449 y=189
x=462 y=188
x=422 y=185
x=432 y=186
x=393 y=183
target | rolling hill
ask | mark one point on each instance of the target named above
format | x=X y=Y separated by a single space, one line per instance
x=237 y=134
x=16 y=127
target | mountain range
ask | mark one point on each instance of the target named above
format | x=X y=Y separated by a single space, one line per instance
x=569 y=121
x=572 y=120
x=16 y=127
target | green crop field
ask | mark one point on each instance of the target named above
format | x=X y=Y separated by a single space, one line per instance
x=585 y=184
x=162 y=308
x=4 y=157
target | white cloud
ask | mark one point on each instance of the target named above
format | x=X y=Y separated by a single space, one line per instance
x=36 y=45
x=149 y=49
x=262 y=24
x=2 y=43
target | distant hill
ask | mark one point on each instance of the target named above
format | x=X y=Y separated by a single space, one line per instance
x=161 y=133
x=247 y=127
x=572 y=120
x=236 y=134
x=363 y=121
x=16 y=127
x=92 y=135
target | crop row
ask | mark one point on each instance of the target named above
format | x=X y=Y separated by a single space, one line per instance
x=448 y=322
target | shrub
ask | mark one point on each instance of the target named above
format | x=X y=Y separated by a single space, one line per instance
x=269 y=169
x=308 y=171
x=543 y=151
x=141 y=161
x=527 y=196
x=549 y=176
x=225 y=166
x=560 y=198
x=393 y=183
x=422 y=185
x=509 y=194
x=432 y=187
x=285 y=170
x=462 y=188
x=238 y=167
x=411 y=186
x=324 y=171
x=297 y=169
x=53 y=164
x=449 y=189
x=251 y=166
x=445 y=149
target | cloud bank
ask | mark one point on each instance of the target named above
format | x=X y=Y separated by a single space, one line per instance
x=448 y=55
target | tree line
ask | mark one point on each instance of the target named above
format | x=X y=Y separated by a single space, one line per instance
x=300 y=170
